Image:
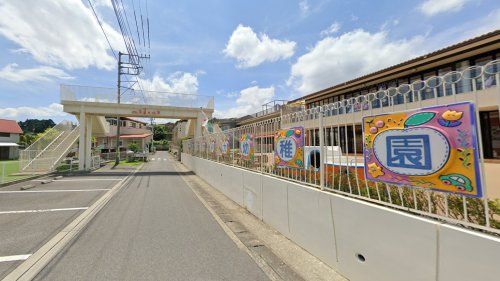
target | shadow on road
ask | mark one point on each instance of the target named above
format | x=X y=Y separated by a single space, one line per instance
x=142 y=173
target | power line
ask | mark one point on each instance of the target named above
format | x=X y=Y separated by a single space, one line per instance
x=102 y=28
x=136 y=26
x=147 y=18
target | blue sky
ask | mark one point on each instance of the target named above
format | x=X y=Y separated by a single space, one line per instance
x=244 y=53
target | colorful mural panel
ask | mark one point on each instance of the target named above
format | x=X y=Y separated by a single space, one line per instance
x=289 y=148
x=247 y=147
x=434 y=147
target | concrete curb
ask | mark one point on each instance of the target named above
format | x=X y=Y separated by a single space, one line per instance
x=25 y=179
x=30 y=268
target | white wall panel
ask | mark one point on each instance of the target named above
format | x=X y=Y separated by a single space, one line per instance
x=467 y=255
x=275 y=204
x=310 y=219
x=252 y=192
x=396 y=246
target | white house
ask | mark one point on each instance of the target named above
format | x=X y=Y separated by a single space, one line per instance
x=9 y=137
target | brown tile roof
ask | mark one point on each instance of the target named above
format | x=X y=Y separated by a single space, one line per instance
x=10 y=126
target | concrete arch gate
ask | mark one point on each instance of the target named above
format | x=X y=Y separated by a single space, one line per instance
x=90 y=112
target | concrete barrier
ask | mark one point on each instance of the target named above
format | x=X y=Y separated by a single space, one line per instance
x=361 y=240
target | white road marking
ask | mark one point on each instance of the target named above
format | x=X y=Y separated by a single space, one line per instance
x=153 y=159
x=54 y=190
x=14 y=258
x=96 y=179
x=43 y=211
x=164 y=159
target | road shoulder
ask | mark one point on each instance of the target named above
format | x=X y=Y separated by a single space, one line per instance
x=278 y=257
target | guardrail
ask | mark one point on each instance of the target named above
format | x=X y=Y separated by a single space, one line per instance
x=343 y=151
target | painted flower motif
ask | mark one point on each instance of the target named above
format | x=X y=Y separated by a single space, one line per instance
x=452 y=115
x=375 y=170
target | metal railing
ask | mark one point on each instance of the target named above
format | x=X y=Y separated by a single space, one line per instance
x=131 y=96
x=333 y=130
x=44 y=154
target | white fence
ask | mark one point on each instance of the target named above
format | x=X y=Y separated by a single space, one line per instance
x=44 y=154
x=131 y=96
x=334 y=129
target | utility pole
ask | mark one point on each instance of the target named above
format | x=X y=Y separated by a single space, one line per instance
x=118 y=123
x=129 y=67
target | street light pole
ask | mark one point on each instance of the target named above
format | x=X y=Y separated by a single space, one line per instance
x=118 y=123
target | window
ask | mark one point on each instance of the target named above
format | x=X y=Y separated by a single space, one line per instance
x=488 y=78
x=490 y=133
x=5 y=135
x=445 y=89
x=385 y=100
x=464 y=85
x=416 y=87
x=395 y=99
x=133 y=124
x=428 y=92
x=405 y=97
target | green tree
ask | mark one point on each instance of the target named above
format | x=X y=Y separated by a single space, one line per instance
x=159 y=132
x=36 y=126
x=134 y=147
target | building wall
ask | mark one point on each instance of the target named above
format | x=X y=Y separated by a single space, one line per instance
x=13 y=151
x=439 y=68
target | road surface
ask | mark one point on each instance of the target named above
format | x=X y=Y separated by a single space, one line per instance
x=154 y=228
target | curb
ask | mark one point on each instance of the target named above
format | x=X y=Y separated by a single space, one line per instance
x=25 y=179
x=30 y=268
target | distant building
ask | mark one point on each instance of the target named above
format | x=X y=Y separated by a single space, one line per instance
x=9 y=137
x=182 y=129
x=131 y=131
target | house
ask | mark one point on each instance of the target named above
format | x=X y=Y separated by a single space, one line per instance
x=131 y=131
x=9 y=137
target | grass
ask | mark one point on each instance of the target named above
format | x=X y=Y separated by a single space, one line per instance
x=7 y=169
x=132 y=163
x=66 y=167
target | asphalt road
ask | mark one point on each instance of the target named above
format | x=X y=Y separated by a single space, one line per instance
x=28 y=219
x=155 y=228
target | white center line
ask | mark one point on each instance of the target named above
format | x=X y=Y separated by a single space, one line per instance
x=14 y=258
x=53 y=190
x=164 y=159
x=42 y=211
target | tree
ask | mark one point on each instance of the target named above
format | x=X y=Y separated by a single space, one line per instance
x=159 y=132
x=133 y=147
x=36 y=126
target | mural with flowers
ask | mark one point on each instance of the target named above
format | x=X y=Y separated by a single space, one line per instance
x=436 y=145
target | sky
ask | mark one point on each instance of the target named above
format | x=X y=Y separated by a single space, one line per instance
x=243 y=53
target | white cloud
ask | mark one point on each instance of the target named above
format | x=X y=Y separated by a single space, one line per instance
x=102 y=3
x=251 y=50
x=179 y=82
x=338 y=59
x=24 y=112
x=333 y=28
x=434 y=7
x=304 y=7
x=59 y=33
x=250 y=101
x=13 y=73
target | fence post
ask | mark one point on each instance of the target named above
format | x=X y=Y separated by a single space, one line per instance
x=3 y=172
x=232 y=150
x=322 y=151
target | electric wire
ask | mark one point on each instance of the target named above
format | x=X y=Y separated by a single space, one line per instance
x=102 y=28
